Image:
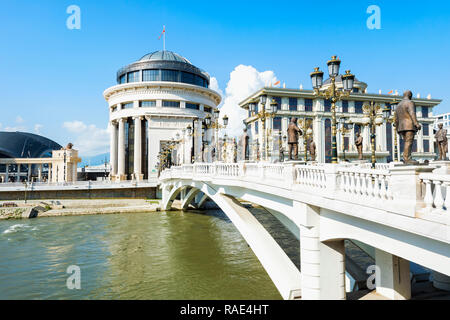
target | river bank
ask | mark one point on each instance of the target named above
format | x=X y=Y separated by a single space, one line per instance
x=55 y=208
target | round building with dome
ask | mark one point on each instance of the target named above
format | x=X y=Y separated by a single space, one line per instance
x=155 y=99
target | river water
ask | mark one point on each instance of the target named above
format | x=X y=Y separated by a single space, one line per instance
x=162 y=255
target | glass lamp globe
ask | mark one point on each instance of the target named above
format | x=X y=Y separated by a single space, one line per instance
x=333 y=66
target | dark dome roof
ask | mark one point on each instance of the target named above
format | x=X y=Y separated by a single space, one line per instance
x=25 y=145
x=164 y=56
x=164 y=60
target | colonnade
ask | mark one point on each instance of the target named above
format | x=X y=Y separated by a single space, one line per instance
x=118 y=152
x=7 y=175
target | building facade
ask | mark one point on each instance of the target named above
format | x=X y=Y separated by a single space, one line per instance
x=155 y=100
x=305 y=105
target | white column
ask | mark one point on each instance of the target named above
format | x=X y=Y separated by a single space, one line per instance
x=18 y=173
x=7 y=173
x=113 y=149
x=394 y=278
x=138 y=148
x=40 y=173
x=322 y=263
x=49 y=178
x=149 y=154
x=121 y=149
x=29 y=172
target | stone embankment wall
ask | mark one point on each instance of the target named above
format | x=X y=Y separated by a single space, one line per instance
x=138 y=193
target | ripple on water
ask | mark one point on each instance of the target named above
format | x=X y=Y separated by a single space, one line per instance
x=170 y=255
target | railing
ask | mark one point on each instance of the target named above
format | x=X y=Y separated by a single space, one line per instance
x=365 y=183
x=76 y=184
x=310 y=176
x=437 y=193
x=378 y=166
x=227 y=169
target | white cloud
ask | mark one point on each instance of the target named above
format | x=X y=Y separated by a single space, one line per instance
x=37 y=128
x=214 y=85
x=19 y=119
x=88 y=139
x=244 y=80
x=15 y=128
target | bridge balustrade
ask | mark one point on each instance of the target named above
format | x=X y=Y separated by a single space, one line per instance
x=437 y=193
x=365 y=183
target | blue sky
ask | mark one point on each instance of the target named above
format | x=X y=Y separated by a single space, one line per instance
x=52 y=75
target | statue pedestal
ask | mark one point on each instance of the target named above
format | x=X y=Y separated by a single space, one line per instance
x=294 y=162
x=442 y=166
x=359 y=161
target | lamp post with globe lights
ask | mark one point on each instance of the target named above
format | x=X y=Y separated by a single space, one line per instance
x=333 y=93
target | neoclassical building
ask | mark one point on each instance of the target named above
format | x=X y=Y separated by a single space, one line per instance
x=156 y=98
x=303 y=104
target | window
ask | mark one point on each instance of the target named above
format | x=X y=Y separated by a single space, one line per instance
x=346 y=143
x=327 y=140
x=151 y=75
x=146 y=104
x=414 y=146
x=426 y=129
x=424 y=112
x=113 y=108
x=358 y=107
x=207 y=109
x=426 y=145
x=344 y=106
x=277 y=123
x=355 y=90
x=327 y=105
x=171 y=104
x=128 y=105
x=187 y=77
x=389 y=141
x=278 y=100
x=256 y=127
x=169 y=75
x=192 y=106
x=133 y=76
x=122 y=79
x=292 y=104
x=308 y=105
x=199 y=81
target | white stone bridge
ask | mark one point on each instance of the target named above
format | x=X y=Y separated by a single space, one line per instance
x=396 y=214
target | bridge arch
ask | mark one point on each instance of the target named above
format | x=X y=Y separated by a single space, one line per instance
x=282 y=271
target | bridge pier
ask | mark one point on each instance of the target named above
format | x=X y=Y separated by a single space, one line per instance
x=322 y=263
x=394 y=279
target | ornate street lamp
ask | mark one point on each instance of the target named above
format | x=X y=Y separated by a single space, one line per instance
x=333 y=93
x=375 y=119
x=264 y=114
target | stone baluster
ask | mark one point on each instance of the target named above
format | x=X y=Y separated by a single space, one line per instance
x=428 y=199
x=447 y=196
x=383 y=186
x=376 y=187
x=438 y=199
x=364 y=184
x=368 y=183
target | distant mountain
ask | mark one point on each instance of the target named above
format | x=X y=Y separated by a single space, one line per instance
x=94 y=160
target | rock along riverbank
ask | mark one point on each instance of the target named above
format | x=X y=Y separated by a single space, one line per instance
x=54 y=208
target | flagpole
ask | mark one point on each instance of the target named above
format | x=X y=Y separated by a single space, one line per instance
x=164 y=38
